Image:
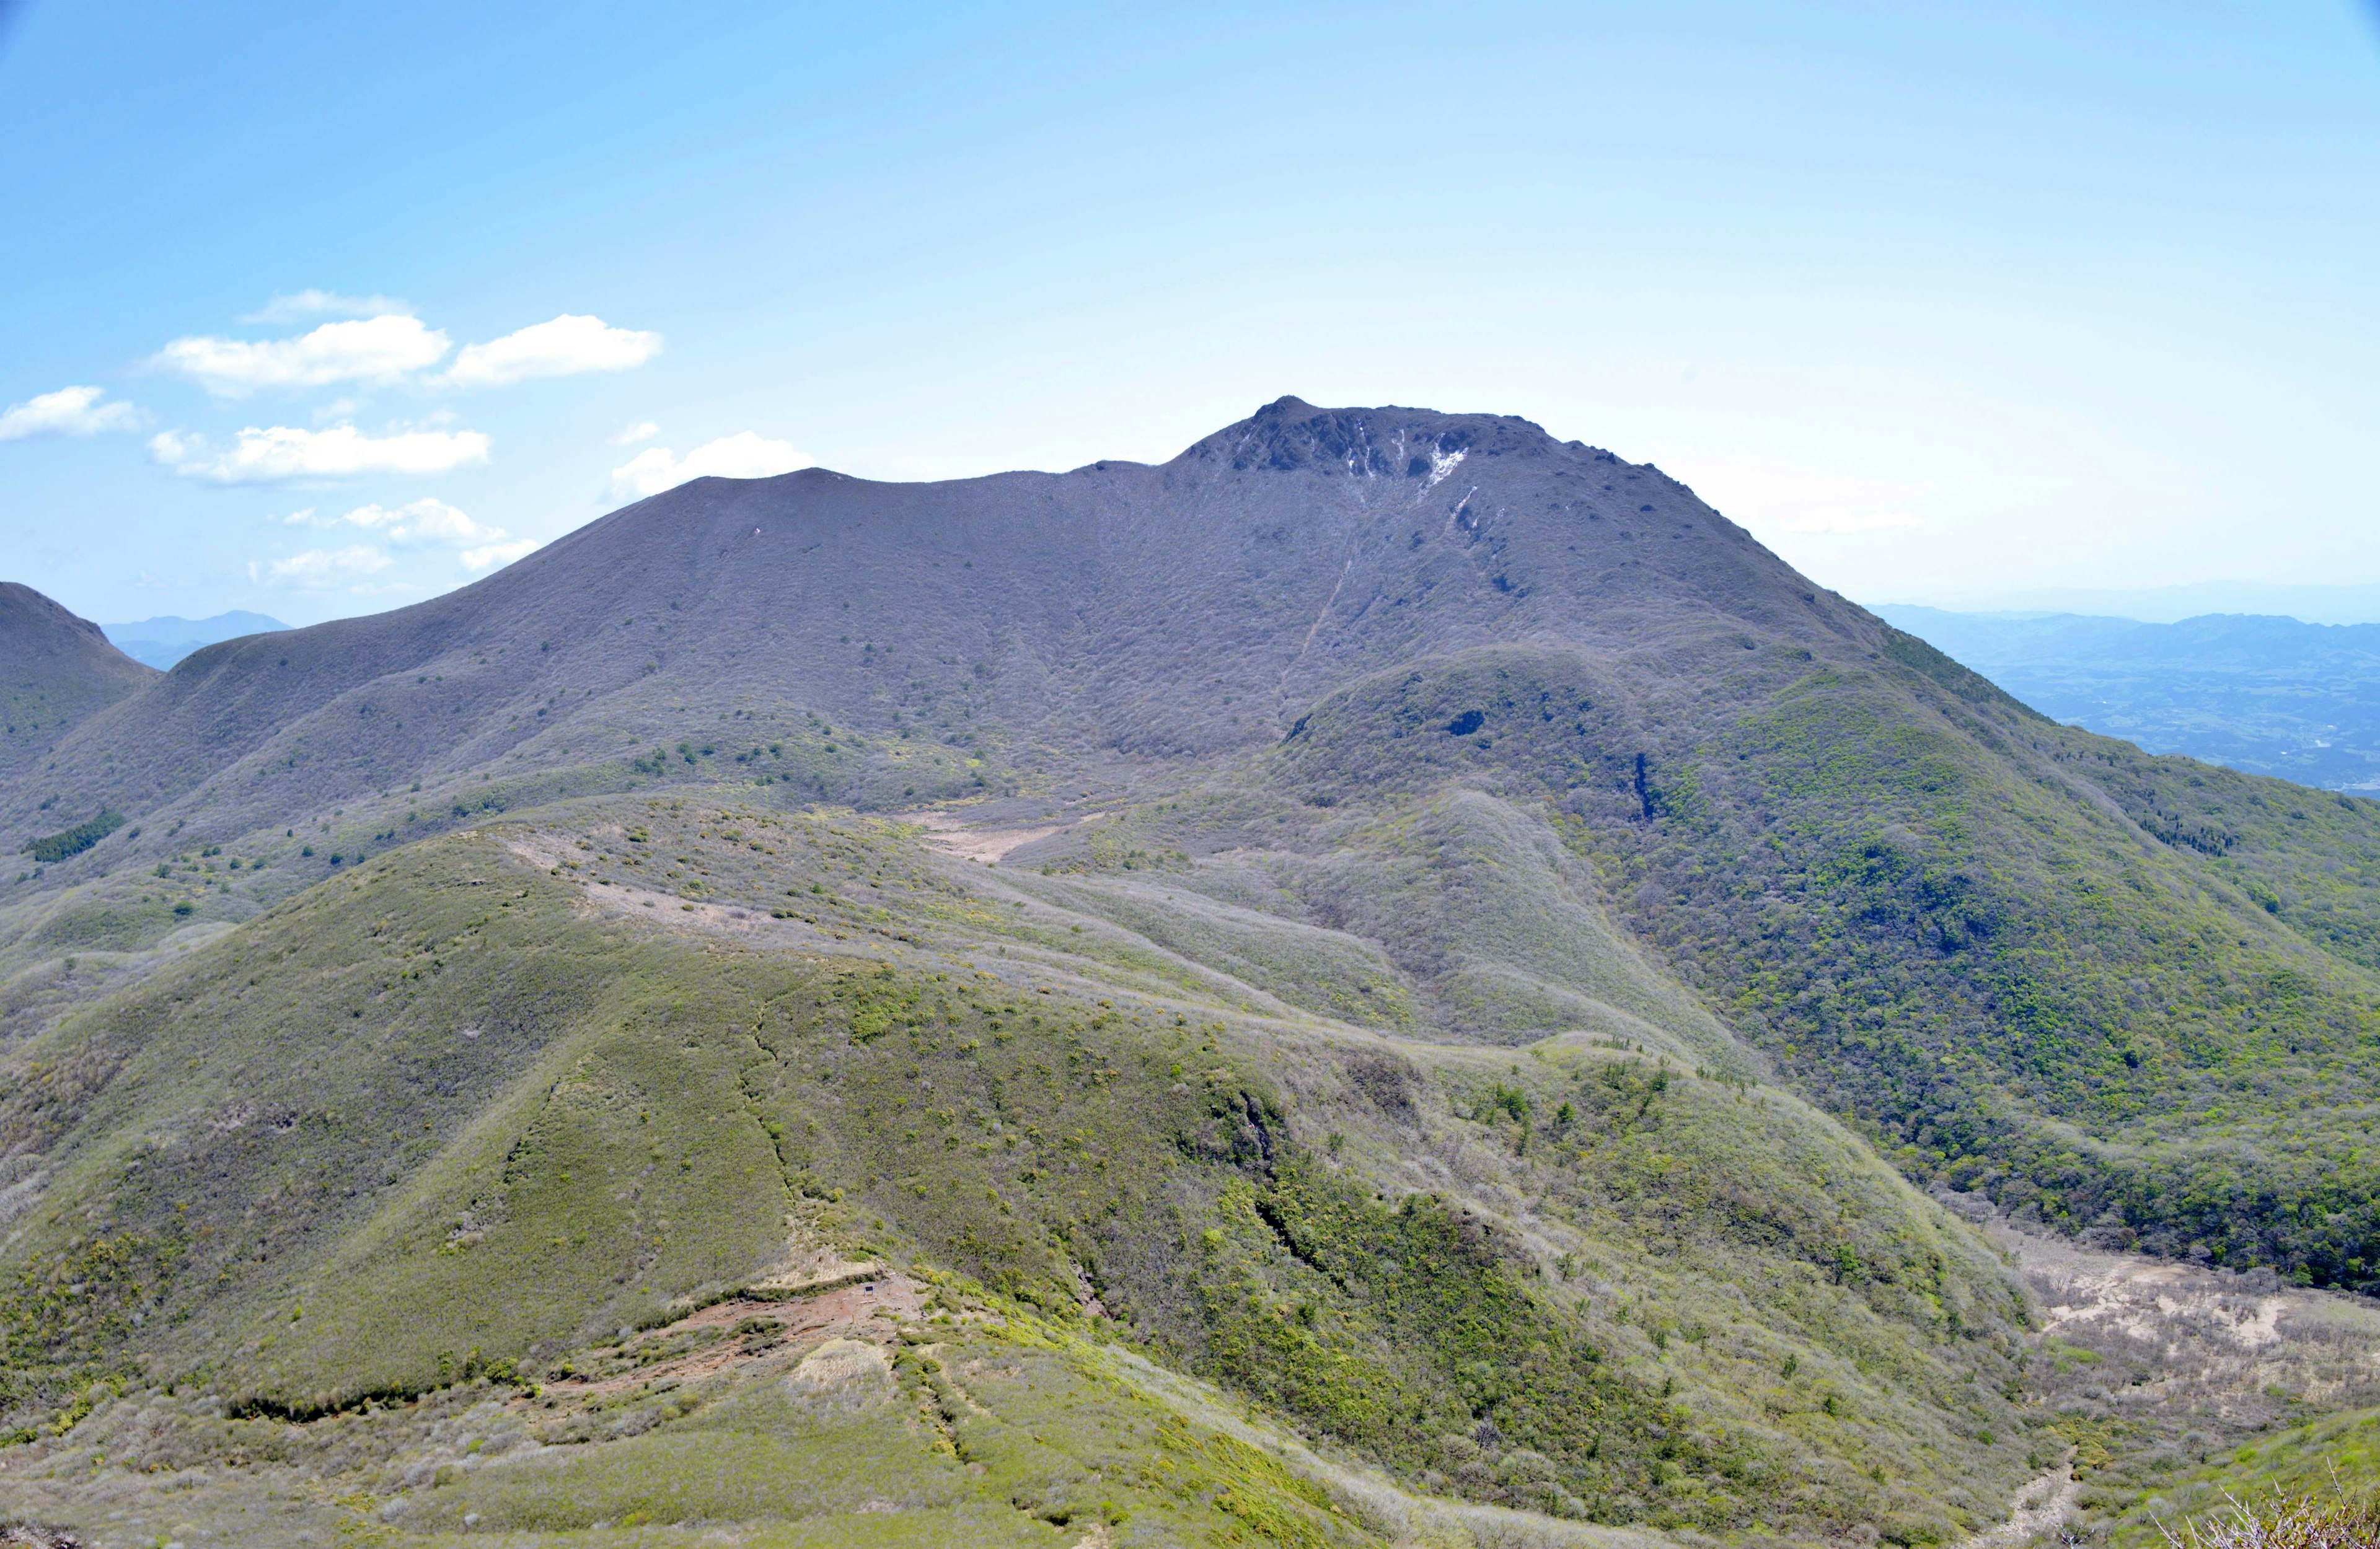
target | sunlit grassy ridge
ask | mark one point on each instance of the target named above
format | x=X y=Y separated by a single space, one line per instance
x=474 y=1108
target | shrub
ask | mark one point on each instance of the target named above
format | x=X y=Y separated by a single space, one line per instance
x=2313 y=1520
x=74 y=841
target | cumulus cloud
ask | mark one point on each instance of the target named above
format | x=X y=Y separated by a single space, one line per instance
x=324 y=304
x=629 y=435
x=380 y=349
x=323 y=567
x=742 y=455
x=70 y=411
x=283 y=452
x=563 y=347
x=496 y=553
x=423 y=523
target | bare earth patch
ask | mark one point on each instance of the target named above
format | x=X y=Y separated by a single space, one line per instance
x=952 y=837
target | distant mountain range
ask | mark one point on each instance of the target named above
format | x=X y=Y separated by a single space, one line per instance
x=160 y=642
x=2336 y=604
x=2269 y=696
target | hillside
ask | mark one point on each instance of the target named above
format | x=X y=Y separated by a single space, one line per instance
x=54 y=670
x=2265 y=695
x=1426 y=929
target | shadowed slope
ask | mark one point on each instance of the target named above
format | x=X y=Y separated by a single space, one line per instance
x=55 y=669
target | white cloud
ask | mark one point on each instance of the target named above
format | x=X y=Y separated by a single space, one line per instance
x=563 y=347
x=497 y=553
x=283 y=452
x=323 y=302
x=423 y=523
x=70 y=411
x=379 y=349
x=742 y=455
x=323 y=567
x=629 y=435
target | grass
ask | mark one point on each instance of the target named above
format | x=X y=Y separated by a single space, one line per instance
x=2314 y=1484
x=449 y=1115
x=1936 y=923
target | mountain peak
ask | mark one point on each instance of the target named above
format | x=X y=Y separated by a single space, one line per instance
x=1388 y=441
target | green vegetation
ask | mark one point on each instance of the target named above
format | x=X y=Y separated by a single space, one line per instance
x=2315 y=1484
x=1504 y=1069
x=2010 y=989
x=52 y=848
x=459 y=1113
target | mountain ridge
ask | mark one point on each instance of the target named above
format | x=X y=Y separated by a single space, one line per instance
x=701 y=538
x=1434 y=861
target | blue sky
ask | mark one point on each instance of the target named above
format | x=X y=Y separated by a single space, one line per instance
x=1937 y=301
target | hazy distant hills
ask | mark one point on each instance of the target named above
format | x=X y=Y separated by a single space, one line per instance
x=2270 y=695
x=1427 y=927
x=2336 y=604
x=165 y=640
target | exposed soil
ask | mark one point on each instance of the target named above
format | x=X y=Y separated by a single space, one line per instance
x=953 y=837
x=2190 y=1357
x=773 y=1333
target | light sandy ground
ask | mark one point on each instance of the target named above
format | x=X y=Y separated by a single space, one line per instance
x=2209 y=1337
x=952 y=837
x=948 y=833
x=2177 y=1344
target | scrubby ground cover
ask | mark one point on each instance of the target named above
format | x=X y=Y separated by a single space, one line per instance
x=1488 y=939
x=459 y=1113
x=1918 y=921
x=2153 y=1388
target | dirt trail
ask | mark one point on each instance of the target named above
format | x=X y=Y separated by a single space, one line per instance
x=2039 y=1507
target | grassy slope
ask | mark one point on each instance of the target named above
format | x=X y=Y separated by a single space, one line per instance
x=55 y=669
x=300 y=1181
x=2323 y=1454
x=1935 y=927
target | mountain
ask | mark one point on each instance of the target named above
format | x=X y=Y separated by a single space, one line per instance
x=1386 y=970
x=54 y=670
x=2334 y=604
x=2267 y=696
x=165 y=640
